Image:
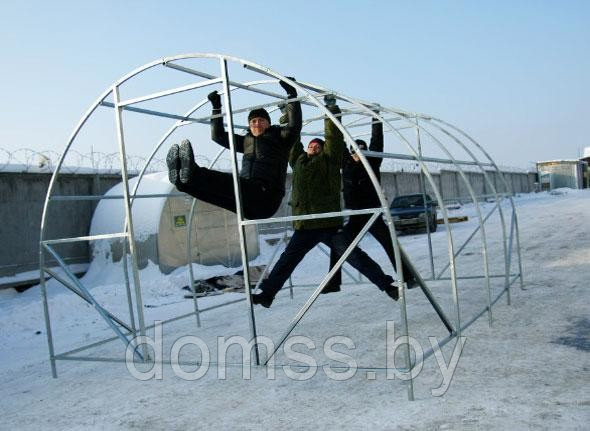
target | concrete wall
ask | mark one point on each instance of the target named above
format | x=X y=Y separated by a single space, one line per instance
x=21 y=204
x=22 y=196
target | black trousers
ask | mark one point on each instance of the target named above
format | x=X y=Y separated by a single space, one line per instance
x=303 y=241
x=217 y=188
x=380 y=232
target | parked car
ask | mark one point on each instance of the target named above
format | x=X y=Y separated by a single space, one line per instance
x=409 y=212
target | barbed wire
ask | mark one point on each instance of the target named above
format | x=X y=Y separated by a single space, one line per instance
x=29 y=160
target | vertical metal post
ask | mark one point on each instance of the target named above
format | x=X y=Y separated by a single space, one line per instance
x=519 y=253
x=189 y=245
x=239 y=210
x=423 y=189
x=128 y=287
x=227 y=249
x=189 y=260
x=510 y=243
x=129 y=218
x=46 y=312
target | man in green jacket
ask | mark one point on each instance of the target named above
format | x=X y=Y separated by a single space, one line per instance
x=316 y=189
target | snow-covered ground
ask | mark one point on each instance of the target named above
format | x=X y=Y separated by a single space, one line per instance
x=530 y=370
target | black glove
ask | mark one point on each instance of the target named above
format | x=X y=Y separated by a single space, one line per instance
x=329 y=100
x=291 y=92
x=215 y=99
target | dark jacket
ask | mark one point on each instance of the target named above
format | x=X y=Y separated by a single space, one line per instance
x=266 y=156
x=317 y=180
x=359 y=192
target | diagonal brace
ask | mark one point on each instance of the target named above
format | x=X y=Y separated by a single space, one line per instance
x=96 y=305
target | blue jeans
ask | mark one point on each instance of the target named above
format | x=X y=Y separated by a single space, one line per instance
x=304 y=240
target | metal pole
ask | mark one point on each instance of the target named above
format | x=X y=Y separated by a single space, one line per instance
x=441 y=314
x=189 y=260
x=469 y=238
x=239 y=210
x=496 y=197
x=81 y=295
x=388 y=220
x=189 y=247
x=506 y=186
x=96 y=305
x=325 y=252
x=52 y=183
x=128 y=287
x=479 y=217
x=323 y=283
x=129 y=219
x=46 y=312
x=423 y=189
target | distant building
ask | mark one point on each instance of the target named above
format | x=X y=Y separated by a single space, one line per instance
x=554 y=174
x=586 y=158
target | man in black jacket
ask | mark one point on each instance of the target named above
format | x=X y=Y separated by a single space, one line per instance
x=264 y=165
x=359 y=193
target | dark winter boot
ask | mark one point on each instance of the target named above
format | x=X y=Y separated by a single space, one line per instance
x=331 y=287
x=262 y=298
x=390 y=289
x=187 y=162
x=392 y=292
x=173 y=162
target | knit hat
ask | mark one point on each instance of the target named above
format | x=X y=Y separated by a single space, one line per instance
x=258 y=113
x=318 y=140
x=360 y=143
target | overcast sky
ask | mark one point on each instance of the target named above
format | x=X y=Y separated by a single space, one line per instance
x=513 y=74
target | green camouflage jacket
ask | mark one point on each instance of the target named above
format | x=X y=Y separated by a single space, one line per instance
x=317 y=179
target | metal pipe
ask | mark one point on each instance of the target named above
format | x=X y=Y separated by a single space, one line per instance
x=323 y=283
x=128 y=288
x=168 y=92
x=424 y=159
x=343 y=213
x=460 y=249
x=42 y=229
x=84 y=238
x=81 y=295
x=497 y=198
x=423 y=189
x=324 y=251
x=480 y=219
x=96 y=305
x=129 y=219
x=182 y=118
x=472 y=277
x=46 y=312
x=437 y=308
x=107 y=197
x=239 y=209
x=189 y=260
x=508 y=188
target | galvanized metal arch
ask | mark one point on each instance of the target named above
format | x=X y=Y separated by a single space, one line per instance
x=508 y=189
x=491 y=185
